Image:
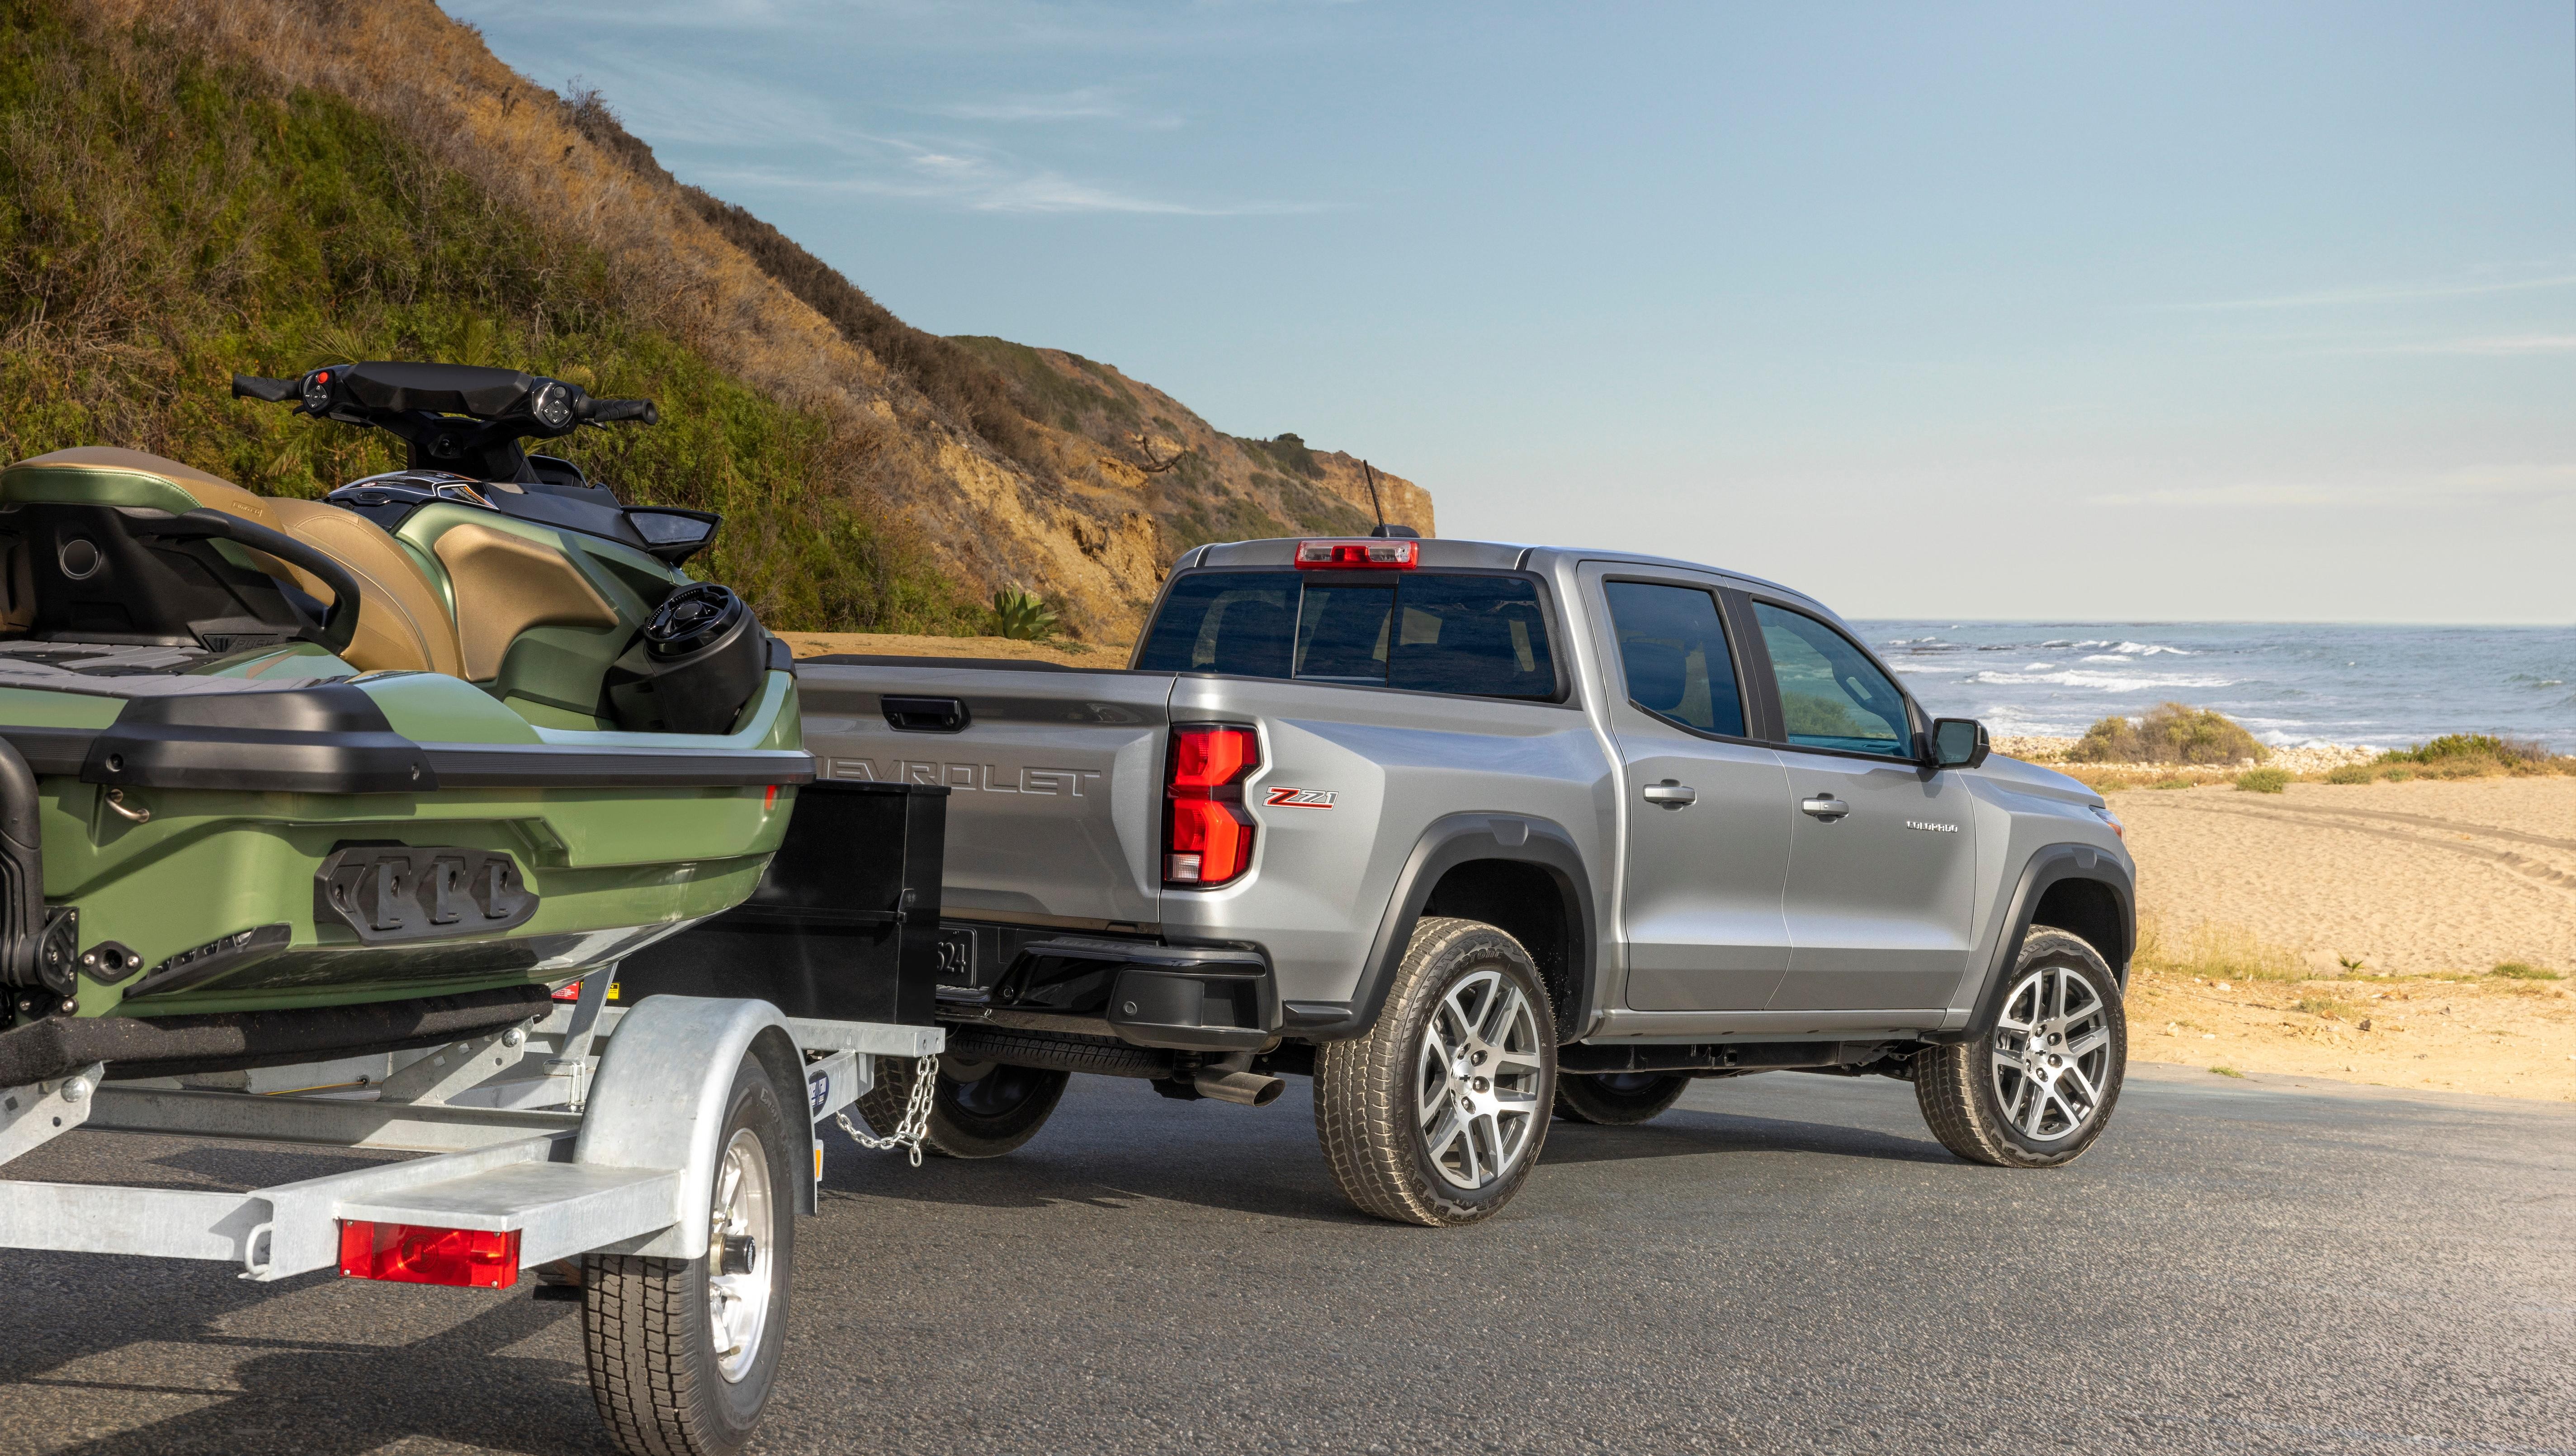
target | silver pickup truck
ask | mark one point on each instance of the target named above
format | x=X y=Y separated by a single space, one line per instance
x=1473 y=834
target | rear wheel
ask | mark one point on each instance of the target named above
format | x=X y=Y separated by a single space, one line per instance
x=2038 y=1089
x=682 y=1352
x=1618 y=1099
x=989 y=1111
x=1437 y=1114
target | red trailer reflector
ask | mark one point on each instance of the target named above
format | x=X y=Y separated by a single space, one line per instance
x=1363 y=553
x=405 y=1253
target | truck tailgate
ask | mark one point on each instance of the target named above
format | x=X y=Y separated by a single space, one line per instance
x=1055 y=802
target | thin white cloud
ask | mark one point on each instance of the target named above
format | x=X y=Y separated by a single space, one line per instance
x=2511 y=480
x=2387 y=293
x=1087 y=104
x=2498 y=346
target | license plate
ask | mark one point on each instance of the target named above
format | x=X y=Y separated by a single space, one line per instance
x=956 y=957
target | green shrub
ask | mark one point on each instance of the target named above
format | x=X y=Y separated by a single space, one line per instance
x=1020 y=614
x=2470 y=746
x=2352 y=773
x=2263 y=780
x=2522 y=971
x=2227 y=1071
x=2169 y=733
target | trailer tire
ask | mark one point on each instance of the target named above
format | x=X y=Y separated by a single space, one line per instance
x=662 y=1385
x=1618 y=1099
x=997 y=1111
x=1467 y=1014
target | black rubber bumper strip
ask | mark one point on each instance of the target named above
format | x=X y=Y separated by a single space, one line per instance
x=230 y=1041
x=545 y=766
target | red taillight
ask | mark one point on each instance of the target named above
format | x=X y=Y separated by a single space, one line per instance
x=1208 y=836
x=568 y=993
x=1362 y=554
x=411 y=1254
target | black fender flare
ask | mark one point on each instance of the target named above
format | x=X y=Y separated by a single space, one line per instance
x=1446 y=843
x=2048 y=866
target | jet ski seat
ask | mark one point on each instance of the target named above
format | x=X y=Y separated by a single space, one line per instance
x=44 y=500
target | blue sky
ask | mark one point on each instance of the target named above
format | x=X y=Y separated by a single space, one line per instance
x=2253 y=311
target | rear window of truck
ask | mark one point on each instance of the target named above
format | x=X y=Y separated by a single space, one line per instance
x=1426 y=632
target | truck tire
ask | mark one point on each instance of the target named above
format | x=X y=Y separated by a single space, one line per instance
x=682 y=1352
x=992 y=1113
x=1437 y=1114
x=1618 y=1099
x=2037 y=1089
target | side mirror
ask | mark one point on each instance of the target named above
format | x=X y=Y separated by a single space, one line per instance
x=1959 y=743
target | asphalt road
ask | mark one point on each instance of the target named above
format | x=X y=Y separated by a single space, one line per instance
x=1785 y=1263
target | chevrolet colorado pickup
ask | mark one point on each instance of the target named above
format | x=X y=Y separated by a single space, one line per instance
x=1472 y=834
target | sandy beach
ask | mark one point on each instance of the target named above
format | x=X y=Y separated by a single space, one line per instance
x=2396 y=899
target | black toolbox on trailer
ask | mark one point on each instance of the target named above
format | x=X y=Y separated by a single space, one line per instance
x=844 y=926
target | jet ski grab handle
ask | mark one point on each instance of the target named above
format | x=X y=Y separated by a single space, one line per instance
x=338 y=625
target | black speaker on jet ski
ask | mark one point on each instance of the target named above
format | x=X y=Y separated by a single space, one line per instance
x=698 y=659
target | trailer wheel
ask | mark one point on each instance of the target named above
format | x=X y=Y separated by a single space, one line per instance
x=984 y=1115
x=682 y=1352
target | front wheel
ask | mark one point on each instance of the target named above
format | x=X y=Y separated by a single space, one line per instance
x=682 y=1352
x=1618 y=1099
x=1436 y=1115
x=2038 y=1089
x=989 y=1111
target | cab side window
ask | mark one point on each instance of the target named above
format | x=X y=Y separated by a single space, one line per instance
x=1674 y=655
x=1831 y=694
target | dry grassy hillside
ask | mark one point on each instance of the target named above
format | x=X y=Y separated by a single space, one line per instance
x=161 y=154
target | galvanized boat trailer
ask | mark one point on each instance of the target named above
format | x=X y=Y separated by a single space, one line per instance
x=639 y=1160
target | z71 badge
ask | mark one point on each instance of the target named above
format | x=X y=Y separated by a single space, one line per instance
x=1300 y=799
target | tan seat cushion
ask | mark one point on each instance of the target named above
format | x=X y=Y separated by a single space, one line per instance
x=402 y=623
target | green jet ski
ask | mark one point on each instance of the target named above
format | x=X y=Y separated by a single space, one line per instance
x=289 y=778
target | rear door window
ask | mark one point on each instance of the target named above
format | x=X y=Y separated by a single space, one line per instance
x=1484 y=636
x=1831 y=694
x=1674 y=654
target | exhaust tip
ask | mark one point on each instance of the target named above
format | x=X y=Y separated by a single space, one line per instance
x=1244 y=1088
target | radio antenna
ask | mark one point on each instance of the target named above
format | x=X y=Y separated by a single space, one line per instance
x=1373 y=500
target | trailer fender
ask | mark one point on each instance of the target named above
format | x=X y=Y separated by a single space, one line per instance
x=659 y=1099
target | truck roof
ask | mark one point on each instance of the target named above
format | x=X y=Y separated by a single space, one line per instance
x=1455 y=554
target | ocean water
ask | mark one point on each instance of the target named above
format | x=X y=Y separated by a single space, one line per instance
x=2290 y=684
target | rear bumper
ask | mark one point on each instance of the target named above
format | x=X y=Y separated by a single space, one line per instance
x=1177 y=998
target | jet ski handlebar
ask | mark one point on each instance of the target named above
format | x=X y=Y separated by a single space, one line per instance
x=464 y=418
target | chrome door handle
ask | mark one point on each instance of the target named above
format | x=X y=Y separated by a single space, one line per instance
x=1825 y=807
x=1671 y=795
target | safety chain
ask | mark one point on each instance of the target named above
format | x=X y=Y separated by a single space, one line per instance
x=916 y=1114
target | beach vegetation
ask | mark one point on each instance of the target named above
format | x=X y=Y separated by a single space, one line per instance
x=2523 y=971
x=2352 y=773
x=2227 y=1072
x=2263 y=780
x=2330 y=1008
x=2214 y=951
x=2169 y=733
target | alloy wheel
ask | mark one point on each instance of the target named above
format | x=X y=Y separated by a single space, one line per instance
x=2052 y=1054
x=1478 y=1082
